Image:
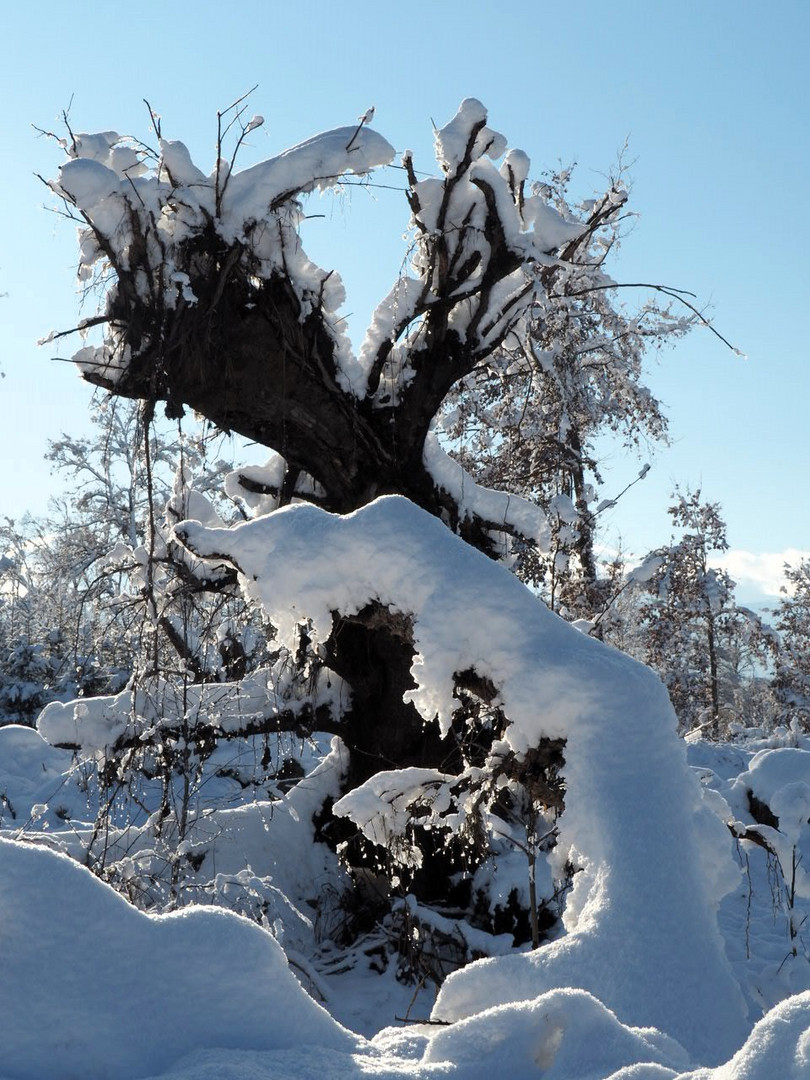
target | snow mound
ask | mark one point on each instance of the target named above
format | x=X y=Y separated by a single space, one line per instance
x=778 y=1047
x=93 y=988
x=560 y=1035
x=34 y=774
x=563 y=1035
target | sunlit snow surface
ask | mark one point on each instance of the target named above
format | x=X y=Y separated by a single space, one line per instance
x=638 y=988
x=92 y=988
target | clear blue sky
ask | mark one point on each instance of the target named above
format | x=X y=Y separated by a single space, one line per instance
x=713 y=95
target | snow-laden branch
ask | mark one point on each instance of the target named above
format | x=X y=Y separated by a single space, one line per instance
x=478 y=246
x=497 y=510
x=141 y=217
x=267 y=701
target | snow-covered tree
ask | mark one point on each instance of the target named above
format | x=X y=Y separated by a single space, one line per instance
x=474 y=758
x=52 y=639
x=79 y=607
x=211 y=303
x=526 y=419
x=692 y=631
x=792 y=621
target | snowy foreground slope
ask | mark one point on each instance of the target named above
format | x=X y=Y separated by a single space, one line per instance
x=93 y=989
x=642 y=985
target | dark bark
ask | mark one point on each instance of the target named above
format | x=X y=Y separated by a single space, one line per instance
x=373 y=651
x=262 y=372
x=250 y=358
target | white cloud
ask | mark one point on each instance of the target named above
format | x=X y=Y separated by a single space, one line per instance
x=763 y=572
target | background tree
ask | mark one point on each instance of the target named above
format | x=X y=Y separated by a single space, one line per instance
x=792 y=622
x=52 y=646
x=526 y=420
x=80 y=610
x=692 y=631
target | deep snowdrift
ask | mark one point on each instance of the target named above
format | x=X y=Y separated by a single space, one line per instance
x=93 y=989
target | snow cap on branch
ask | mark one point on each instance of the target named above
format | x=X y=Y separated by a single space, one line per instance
x=452 y=141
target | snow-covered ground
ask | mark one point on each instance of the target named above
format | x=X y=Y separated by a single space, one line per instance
x=682 y=952
x=94 y=989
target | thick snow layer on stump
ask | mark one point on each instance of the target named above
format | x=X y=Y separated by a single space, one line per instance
x=652 y=860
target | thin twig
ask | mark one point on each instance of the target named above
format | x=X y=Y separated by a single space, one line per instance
x=667 y=290
x=154 y=118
